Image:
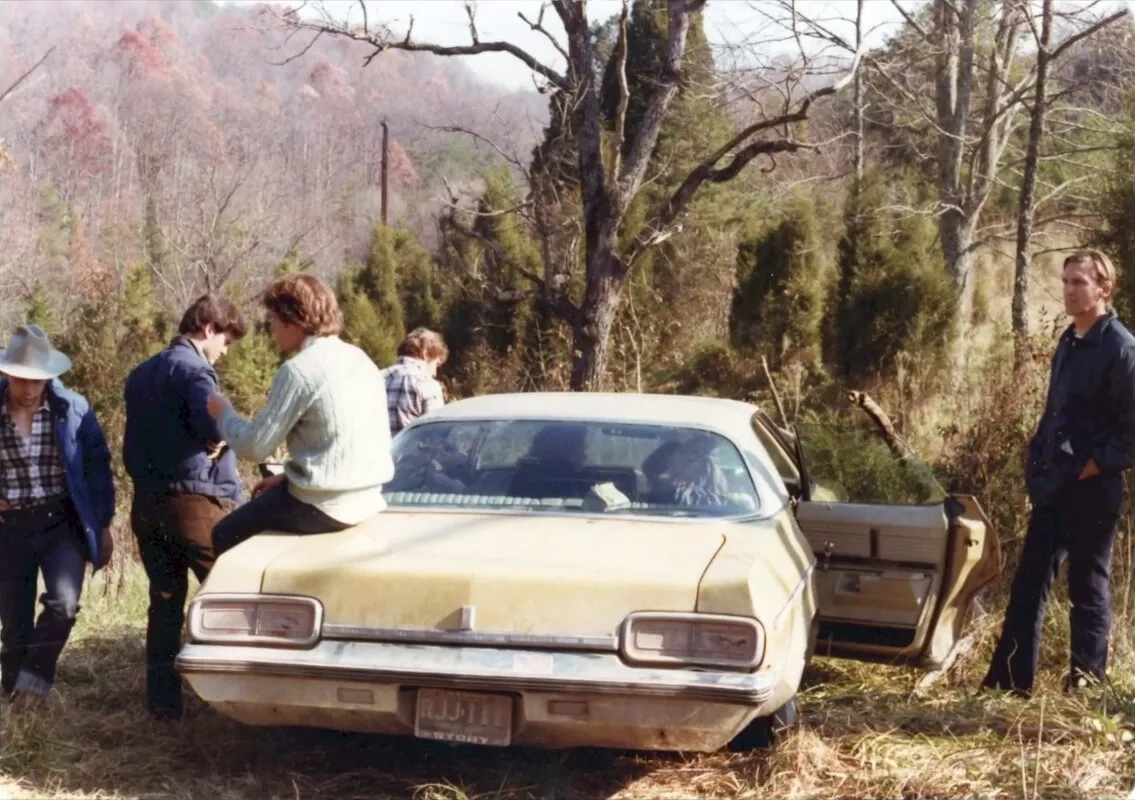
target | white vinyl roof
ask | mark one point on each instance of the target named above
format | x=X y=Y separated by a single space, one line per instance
x=705 y=412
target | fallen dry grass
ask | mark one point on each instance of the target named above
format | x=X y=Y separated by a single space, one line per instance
x=865 y=733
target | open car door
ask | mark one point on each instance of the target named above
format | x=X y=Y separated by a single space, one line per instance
x=894 y=583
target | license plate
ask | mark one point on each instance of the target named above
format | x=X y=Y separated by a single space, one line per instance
x=465 y=717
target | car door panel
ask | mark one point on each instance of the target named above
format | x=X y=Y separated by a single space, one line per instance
x=884 y=596
x=895 y=583
x=897 y=534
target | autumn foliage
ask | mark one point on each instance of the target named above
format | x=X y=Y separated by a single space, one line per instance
x=72 y=133
x=169 y=130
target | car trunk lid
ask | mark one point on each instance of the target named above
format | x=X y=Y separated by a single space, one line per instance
x=520 y=573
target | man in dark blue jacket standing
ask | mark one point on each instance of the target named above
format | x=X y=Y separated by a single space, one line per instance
x=1076 y=459
x=56 y=506
x=183 y=475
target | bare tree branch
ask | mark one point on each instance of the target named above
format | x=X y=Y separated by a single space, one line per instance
x=681 y=13
x=929 y=115
x=300 y=54
x=471 y=12
x=708 y=170
x=556 y=299
x=383 y=41
x=510 y=295
x=799 y=115
x=911 y=21
x=614 y=163
x=15 y=85
x=1091 y=30
x=511 y=159
x=538 y=26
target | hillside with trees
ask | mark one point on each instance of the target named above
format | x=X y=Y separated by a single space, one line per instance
x=162 y=135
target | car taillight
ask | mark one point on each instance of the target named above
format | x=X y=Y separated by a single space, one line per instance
x=712 y=640
x=255 y=619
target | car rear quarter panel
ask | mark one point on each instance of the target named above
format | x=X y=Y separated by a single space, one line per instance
x=764 y=570
x=242 y=568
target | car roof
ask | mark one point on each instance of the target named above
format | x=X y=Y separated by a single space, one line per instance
x=714 y=413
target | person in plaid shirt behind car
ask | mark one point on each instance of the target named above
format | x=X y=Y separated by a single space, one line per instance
x=56 y=506
x=412 y=387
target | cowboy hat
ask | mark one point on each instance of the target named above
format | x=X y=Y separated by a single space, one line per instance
x=31 y=356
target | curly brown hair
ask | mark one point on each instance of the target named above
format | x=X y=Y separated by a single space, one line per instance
x=307 y=302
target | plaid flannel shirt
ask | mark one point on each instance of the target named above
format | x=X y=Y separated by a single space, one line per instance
x=410 y=392
x=31 y=471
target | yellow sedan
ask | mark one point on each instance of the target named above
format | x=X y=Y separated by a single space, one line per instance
x=562 y=570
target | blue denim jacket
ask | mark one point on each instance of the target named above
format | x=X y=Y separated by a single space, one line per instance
x=168 y=428
x=1090 y=409
x=86 y=462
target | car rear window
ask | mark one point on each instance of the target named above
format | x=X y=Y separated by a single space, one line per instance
x=583 y=467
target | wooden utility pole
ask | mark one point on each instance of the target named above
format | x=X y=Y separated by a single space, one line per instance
x=385 y=158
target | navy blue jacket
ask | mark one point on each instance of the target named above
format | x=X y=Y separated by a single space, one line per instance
x=1090 y=411
x=168 y=428
x=86 y=462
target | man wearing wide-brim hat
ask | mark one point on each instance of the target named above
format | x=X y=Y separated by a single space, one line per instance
x=56 y=506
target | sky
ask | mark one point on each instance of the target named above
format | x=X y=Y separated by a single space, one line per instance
x=729 y=24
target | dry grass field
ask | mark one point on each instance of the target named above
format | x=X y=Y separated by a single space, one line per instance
x=867 y=732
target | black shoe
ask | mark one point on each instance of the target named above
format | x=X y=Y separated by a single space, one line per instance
x=1080 y=684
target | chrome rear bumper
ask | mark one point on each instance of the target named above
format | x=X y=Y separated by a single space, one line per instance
x=476 y=668
x=560 y=699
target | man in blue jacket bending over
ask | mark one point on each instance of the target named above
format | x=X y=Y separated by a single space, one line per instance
x=183 y=475
x=56 y=506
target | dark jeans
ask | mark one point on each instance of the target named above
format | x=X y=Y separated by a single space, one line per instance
x=46 y=538
x=1078 y=523
x=174 y=536
x=273 y=510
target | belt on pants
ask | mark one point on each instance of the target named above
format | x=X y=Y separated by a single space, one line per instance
x=47 y=512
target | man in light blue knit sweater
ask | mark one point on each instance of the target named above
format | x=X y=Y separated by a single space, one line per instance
x=328 y=403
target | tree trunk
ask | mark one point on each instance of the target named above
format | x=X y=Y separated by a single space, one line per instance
x=591 y=334
x=954 y=79
x=954 y=27
x=857 y=104
x=1028 y=193
x=958 y=234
